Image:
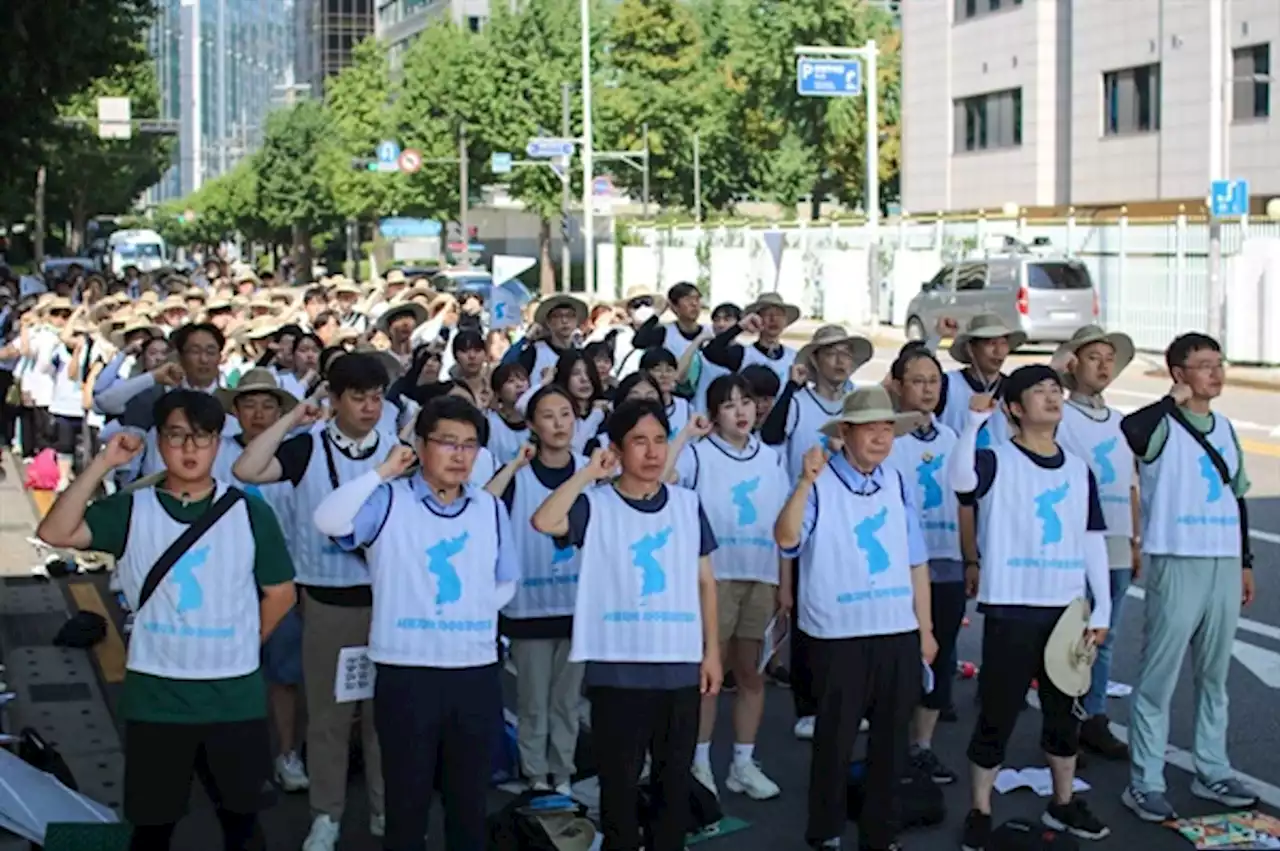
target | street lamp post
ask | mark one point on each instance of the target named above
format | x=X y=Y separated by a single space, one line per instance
x=588 y=154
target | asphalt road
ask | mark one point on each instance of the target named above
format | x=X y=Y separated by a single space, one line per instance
x=1255 y=677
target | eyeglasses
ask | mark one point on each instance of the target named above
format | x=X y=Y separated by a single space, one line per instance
x=176 y=439
x=1205 y=367
x=209 y=352
x=469 y=447
x=923 y=382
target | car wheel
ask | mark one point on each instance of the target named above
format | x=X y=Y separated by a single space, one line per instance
x=915 y=329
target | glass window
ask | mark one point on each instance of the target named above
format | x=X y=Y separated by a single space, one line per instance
x=1131 y=100
x=971 y=276
x=1058 y=276
x=1251 y=82
x=988 y=122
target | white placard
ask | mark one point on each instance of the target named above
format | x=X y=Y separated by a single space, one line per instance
x=354 y=680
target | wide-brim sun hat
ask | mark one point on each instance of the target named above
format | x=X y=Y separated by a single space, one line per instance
x=399 y=309
x=557 y=301
x=1069 y=653
x=344 y=286
x=984 y=326
x=1089 y=334
x=835 y=335
x=395 y=276
x=133 y=326
x=773 y=300
x=639 y=292
x=258 y=380
x=870 y=404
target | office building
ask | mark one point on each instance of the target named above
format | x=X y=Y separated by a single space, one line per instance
x=400 y=20
x=220 y=65
x=325 y=34
x=1051 y=103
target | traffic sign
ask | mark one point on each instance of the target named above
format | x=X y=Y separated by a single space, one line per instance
x=409 y=161
x=828 y=78
x=388 y=151
x=1229 y=198
x=547 y=147
x=602 y=186
x=407 y=228
x=500 y=163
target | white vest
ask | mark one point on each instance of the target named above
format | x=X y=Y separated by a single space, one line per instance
x=1031 y=528
x=807 y=414
x=1101 y=445
x=434 y=583
x=638 y=598
x=317 y=560
x=504 y=441
x=548 y=574
x=780 y=367
x=924 y=462
x=202 y=622
x=674 y=341
x=956 y=413
x=1186 y=508
x=856 y=567
x=709 y=372
x=544 y=357
x=678 y=413
x=741 y=498
x=278 y=495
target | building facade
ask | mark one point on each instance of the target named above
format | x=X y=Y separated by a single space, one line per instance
x=1051 y=103
x=325 y=34
x=221 y=64
x=400 y=20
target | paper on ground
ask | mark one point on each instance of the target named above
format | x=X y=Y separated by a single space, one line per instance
x=1038 y=780
x=776 y=635
x=354 y=679
x=1115 y=689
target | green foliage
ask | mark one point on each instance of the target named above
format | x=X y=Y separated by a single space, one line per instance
x=291 y=190
x=357 y=101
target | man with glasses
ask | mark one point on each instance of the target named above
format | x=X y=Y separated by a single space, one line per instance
x=337 y=597
x=193 y=692
x=1195 y=535
x=443 y=562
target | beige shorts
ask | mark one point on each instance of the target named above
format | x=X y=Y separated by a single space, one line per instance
x=745 y=607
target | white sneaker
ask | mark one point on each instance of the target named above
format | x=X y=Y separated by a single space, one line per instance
x=864 y=725
x=540 y=786
x=565 y=788
x=291 y=774
x=804 y=728
x=704 y=775
x=746 y=778
x=644 y=772
x=323 y=835
x=378 y=825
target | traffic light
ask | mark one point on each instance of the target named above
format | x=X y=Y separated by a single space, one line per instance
x=364 y=164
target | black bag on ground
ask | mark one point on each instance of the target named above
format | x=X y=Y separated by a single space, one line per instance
x=920 y=801
x=704 y=809
x=36 y=752
x=81 y=631
x=513 y=830
x=1020 y=835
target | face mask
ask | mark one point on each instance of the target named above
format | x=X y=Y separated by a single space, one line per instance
x=642 y=314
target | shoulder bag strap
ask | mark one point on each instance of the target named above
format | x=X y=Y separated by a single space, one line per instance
x=1215 y=457
x=185 y=542
x=328 y=459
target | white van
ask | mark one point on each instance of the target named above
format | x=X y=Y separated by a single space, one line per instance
x=144 y=249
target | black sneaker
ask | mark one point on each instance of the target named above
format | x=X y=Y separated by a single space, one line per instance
x=926 y=761
x=780 y=676
x=948 y=715
x=1096 y=737
x=977 y=830
x=730 y=682
x=1076 y=818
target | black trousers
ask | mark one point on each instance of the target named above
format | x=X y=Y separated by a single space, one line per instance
x=802 y=691
x=34 y=426
x=877 y=677
x=1013 y=654
x=8 y=413
x=948 y=604
x=626 y=723
x=437 y=722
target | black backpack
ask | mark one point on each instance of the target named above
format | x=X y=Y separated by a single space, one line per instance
x=920 y=801
x=704 y=807
x=1020 y=835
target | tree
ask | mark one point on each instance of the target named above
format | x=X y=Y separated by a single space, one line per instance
x=358 y=101
x=292 y=192
x=53 y=50
x=88 y=176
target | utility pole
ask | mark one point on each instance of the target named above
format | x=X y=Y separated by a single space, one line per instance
x=566 y=250
x=39 y=235
x=1218 y=40
x=645 y=185
x=463 y=191
x=588 y=154
x=697 y=180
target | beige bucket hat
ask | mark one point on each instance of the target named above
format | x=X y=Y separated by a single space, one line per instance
x=395 y=277
x=562 y=300
x=257 y=380
x=1089 y=334
x=773 y=300
x=1069 y=653
x=835 y=335
x=870 y=405
x=399 y=309
x=134 y=325
x=984 y=326
x=637 y=292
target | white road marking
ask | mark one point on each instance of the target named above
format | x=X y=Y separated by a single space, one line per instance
x=1246 y=624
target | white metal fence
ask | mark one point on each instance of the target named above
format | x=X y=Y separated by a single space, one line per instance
x=1152 y=276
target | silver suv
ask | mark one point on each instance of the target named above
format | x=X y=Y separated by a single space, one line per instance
x=1046 y=297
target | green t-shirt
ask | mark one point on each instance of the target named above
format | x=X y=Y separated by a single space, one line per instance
x=145 y=697
x=1204 y=424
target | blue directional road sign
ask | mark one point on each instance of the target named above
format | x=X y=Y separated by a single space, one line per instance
x=828 y=78
x=1229 y=198
x=406 y=228
x=500 y=163
x=388 y=153
x=546 y=148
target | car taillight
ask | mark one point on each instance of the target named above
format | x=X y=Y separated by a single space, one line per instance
x=1097 y=308
x=1024 y=306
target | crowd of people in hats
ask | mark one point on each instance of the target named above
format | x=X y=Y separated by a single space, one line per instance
x=633 y=497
